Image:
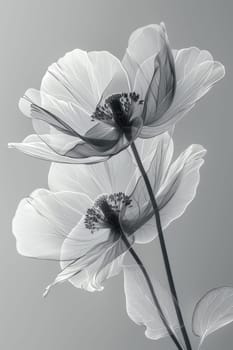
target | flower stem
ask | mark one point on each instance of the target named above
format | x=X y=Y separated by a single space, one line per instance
x=163 y=247
x=151 y=288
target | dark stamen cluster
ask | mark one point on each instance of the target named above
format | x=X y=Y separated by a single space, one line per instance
x=102 y=113
x=92 y=218
x=105 y=211
x=116 y=106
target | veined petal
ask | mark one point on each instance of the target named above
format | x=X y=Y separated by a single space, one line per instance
x=180 y=186
x=106 y=177
x=83 y=150
x=120 y=168
x=90 y=254
x=110 y=75
x=89 y=179
x=79 y=146
x=140 y=305
x=59 y=113
x=90 y=274
x=99 y=139
x=175 y=194
x=68 y=121
x=140 y=211
x=43 y=220
x=64 y=116
x=147 y=148
x=34 y=146
x=156 y=86
x=196 y=73
x=70 y=133
x=143 y=43
x=156 y=162
x=118 y=84
x=81 y=77
x=102 y=136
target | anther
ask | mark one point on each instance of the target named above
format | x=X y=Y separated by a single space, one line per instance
x=105 y=211
x=117 y=108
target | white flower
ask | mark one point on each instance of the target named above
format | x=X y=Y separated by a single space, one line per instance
x=79 y=221
x=91 y=106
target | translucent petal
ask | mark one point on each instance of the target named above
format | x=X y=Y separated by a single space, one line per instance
x=147 y=148
x=162 y=155
x=98 y=270
x=34 y=146
x=141 y=210
x=81 y=77
x=102 y=136
x=140 y=306
x=180 y=186
x=143 y=43
x=196 y=73
x=97 y=144
x=156 y=83
x=109 y=74
x=92 y=257
x=106 y=177
x=118 y=84
x=175 y=193
x=66 y=130
x=59 y=113
x=89 y=179
x=43 y=220
x=121 y=169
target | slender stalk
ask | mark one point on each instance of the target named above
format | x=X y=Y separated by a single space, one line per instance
x=151 y=288
x=163 y=248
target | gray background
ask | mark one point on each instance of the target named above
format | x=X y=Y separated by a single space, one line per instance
x=33 y=34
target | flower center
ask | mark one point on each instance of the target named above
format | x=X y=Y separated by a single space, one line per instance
x=105 y=211
x=118 y=108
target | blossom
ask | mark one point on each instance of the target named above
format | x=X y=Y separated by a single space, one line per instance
x=91 y=105
x=81 y=219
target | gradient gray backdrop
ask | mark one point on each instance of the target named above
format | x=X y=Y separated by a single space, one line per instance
x=33 y=35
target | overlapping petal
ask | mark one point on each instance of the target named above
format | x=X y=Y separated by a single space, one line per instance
x=119 y=174
x=93 y=257
x=143 y=43
x=34 y=146
x=180 y=185
x=174 y=186
x=67 y=129
x=82 y=77
x=108 y=177
x=43 y=221
x=156 y=82
x=196 y=74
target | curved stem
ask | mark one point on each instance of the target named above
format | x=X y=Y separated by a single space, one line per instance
x=151 y=288
x=163 y=247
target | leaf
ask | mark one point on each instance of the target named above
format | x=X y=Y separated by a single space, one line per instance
x=141 y=308
x=213 y=311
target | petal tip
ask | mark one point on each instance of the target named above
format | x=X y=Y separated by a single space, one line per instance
x=11 y=145
x=47 y=290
